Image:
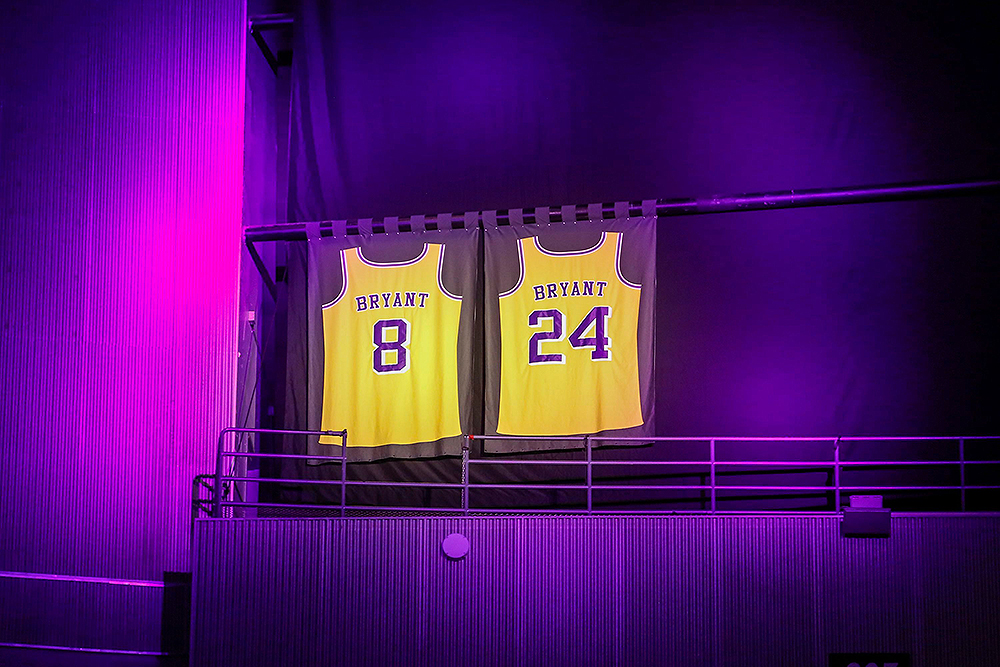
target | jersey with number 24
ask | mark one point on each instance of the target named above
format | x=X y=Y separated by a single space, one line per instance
x=569 y=343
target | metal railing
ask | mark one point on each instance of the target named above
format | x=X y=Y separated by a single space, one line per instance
x=218 y=502
x=218 y=498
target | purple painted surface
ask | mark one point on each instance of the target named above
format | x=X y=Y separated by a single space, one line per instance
x=718 y=591
x=121 y=133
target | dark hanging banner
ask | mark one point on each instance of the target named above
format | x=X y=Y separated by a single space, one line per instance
x=570 y=311
x=874 y=319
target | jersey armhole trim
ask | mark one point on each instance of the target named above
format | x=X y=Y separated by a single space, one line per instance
x=343 y=287
x=618 y=264
x=440 y=275
x=520 y=266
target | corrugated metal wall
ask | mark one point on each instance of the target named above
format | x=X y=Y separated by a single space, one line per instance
x=121 y=133
x=117 y=615
x=121 y=153
x=593 y=591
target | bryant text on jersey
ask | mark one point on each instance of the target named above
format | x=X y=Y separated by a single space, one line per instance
x=390 y=300
x=569 y=288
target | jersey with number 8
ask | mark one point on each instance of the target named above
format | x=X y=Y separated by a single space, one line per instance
x=391 y=352
x=569 y=343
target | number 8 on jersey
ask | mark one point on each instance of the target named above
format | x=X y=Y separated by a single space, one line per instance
x=390 y=352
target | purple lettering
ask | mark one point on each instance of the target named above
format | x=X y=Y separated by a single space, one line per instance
x=385 y=299
x=598 y=316
x=411 y=300
x=397 y=302
x=600 y=287
x=398 y=346
x=551 y=287
x=563 y=286
x=588 y=288
x=423 y=297
x=539 y=292
x=373 y=300
x=362 y=303
x=535 y=355
x=576 y=289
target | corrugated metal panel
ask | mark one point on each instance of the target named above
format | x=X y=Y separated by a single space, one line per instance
x=956 y=587
x=865 y=589
x=775 y=590
x=86 y=615
x=763 y=589
x=665 y=590
x=246 y=566
x=121 y=154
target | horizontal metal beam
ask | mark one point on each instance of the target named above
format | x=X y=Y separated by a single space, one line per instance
x=764 y=201
x=80 y=649
x=257 y=455
x=335 y=508
x=270 y=21
x=337 y=482
x=45 y=576
x=667 y=208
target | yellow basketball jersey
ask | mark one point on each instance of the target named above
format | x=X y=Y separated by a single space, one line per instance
x=569 y=343
x=391 y=352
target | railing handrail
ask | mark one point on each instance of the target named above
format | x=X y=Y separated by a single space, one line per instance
x=588 y=442
x=220 y=454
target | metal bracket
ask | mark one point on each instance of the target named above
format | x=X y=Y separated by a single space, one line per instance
x=265 y=275
x=265 y=49
x=259 y=24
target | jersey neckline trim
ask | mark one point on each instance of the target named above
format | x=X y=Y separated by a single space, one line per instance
x=408 y=262
x=568 y=253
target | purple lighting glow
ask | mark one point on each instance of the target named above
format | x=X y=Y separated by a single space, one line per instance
x=124 y=131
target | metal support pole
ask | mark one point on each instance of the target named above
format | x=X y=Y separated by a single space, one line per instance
x=343 y=473
x=195 y=501
x=270 y=21
x=836 y=475
x=217 y=499
x=465 y=474
x=590 y=474
x=711 y=470
x=754 y=201
x=961 y=468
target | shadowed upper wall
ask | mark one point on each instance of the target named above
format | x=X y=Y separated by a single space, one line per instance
x=866 y=320
x=121 y=134
x=458 y=106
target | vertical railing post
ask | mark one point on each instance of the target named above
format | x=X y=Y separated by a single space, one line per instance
x=590 y=474
x=711 y=471
x=195 y=500
x=343 y=473
x=465 y=475
x=836 y=475
x=961 y=468
x=217 y=500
